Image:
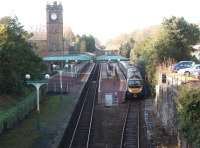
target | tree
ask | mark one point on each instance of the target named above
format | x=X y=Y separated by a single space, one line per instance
x=90 y=43
x=176 y=38
x=172 y=40
x=86 y=43
x=188 y=107
x=16 y=57
x=82 y=46
x=126 y=46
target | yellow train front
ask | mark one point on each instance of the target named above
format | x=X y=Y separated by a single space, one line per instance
x=135 y=88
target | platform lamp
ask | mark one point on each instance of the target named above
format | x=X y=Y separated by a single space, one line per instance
x=118 y=60
x=37 y=84
x=75 y=68
x=66 y=64
x=60 y=71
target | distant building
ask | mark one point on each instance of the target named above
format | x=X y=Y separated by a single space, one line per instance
x=39 y=41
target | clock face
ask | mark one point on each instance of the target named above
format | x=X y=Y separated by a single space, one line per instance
x=54 y=16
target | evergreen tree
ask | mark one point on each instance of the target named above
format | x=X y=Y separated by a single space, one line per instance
x=16 y=57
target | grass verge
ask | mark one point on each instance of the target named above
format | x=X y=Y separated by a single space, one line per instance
x=37 y=132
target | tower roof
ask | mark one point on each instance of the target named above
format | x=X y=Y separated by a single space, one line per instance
x=54 y=5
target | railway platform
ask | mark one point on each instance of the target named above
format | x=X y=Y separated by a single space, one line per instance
x=111 y=86
x=109 y=109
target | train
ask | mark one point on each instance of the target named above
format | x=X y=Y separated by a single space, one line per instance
x=135 y=84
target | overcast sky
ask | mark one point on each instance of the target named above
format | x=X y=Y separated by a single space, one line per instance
x=104 y=19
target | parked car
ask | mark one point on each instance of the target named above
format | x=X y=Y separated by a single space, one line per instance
x=190 y=71
x=182 y=65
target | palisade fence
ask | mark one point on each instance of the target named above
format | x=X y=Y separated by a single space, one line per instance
x=17 y=113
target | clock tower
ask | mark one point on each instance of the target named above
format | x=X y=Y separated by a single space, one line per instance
x=54 y=26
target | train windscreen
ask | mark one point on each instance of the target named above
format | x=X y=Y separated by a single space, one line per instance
x=134 y=83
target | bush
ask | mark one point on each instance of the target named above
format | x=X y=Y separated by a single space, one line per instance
x=188 y=107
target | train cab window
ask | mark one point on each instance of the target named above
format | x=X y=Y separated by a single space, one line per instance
x=132 y=83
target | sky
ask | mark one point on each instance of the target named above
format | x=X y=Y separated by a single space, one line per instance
x=104 y=19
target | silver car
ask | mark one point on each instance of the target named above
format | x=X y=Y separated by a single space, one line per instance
x=190 y=71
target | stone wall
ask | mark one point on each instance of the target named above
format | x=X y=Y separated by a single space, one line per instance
x=165 y=107
x=165 y=104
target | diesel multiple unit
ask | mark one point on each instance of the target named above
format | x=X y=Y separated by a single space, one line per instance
x=134 y=83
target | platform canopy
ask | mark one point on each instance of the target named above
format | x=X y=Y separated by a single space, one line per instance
x=111 y=58
x=69 y=57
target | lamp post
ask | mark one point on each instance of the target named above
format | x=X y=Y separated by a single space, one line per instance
x=60 y=71
x=118 y=60
x=37 y=84
x=75 y=68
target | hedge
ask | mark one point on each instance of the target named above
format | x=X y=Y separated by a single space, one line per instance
x=15 y=114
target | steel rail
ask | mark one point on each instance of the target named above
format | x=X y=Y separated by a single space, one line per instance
x=78 y=119
x=138 y=128
x=123 y=143
x=91 y=120
x=82 y=110
x=124 y=127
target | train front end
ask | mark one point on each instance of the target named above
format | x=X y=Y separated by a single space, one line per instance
x=134 y=89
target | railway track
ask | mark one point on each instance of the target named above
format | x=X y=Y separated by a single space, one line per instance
x=78 y=132
x=131 y=130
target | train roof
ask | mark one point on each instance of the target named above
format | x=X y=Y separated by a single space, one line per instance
x=133 y=72
x=135 y=77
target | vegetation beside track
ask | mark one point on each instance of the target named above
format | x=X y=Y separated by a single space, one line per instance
x=170 y=40
x=188 y=107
